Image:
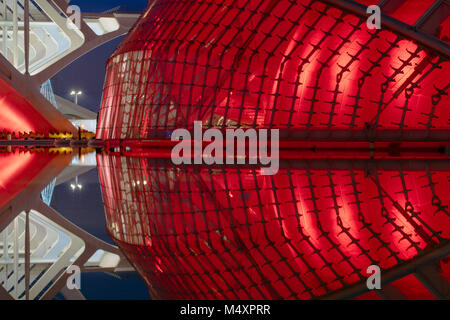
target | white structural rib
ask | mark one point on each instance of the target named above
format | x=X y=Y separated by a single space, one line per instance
x=29 y=57
x=53 y=35
x=53 y=248
x=54 y=245
x=35 y=257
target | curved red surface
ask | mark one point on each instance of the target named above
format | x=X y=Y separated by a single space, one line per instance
x=17 y=170
x=210 y=233
x=409 y=11
x=18 y=115
x=300 y=65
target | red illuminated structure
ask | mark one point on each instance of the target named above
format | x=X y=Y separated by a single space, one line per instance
x=313 y=70
x=230 y=233
x=18 y=115
x=308 y=68
x=17 y=171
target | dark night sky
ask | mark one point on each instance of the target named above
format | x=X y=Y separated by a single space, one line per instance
x=85 y=208
x=88 y=72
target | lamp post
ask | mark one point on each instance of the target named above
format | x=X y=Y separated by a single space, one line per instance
x=76 y=94
x=76 y=185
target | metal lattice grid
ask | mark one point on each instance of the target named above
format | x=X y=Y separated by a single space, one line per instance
x=230 y=233
x=300 y=66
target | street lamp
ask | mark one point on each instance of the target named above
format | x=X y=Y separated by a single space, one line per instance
x=76 y=185
x=76 y=94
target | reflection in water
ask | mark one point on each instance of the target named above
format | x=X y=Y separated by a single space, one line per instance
x=314 y=71
x=230 y=233
x=310 y=69
x=198 y=232
x=38 y=244
x=19 y=167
